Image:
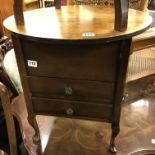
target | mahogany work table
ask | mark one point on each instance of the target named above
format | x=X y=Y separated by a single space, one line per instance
x=73 y=63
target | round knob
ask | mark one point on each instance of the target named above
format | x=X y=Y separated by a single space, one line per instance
x=125 y=97
x=70 y=111
x=68 y=91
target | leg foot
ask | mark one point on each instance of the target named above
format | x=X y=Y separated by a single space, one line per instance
x=113 y=149
x=115 y=131
x=33 y=122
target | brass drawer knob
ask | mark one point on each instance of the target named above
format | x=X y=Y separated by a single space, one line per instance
x=69 y=111
x=68 y=91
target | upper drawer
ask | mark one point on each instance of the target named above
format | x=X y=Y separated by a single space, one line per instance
x=71 y=89
x=86 y=61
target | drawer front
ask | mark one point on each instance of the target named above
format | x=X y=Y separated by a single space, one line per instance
x=71 y=89
x=93 y=62
x=72 y=109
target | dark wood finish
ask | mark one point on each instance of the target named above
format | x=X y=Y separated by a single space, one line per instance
x=57 y=4
x=22 y=71
x=73 y=109
x=18 y=12
x=60 y=56
x=71 y=89
x=9 y=119
x=121 y=14
x=77 y=63
x=121 y=66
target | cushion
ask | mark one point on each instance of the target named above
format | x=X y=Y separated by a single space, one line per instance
x=10 y=65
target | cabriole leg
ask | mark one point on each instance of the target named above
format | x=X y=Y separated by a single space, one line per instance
x=33 y=122
x=115 y=131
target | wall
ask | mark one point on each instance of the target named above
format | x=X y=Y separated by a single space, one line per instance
x=6 y=9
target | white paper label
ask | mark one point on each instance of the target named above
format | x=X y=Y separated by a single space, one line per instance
x=88 y=34
x=32 y=63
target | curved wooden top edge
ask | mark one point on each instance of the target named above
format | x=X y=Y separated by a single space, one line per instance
x=76 y=23
x=79 y=41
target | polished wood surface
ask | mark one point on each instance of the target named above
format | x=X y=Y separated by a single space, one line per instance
x=121 y=13
x=78 y=137
x=76 y=22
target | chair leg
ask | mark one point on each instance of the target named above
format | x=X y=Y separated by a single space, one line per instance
x=9 y=119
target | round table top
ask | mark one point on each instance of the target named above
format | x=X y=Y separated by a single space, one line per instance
x=76 y=22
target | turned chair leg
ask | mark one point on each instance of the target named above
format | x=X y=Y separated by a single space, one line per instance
x=9 y=119
x=115 y=131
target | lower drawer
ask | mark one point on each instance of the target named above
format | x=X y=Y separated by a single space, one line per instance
x=73 y=109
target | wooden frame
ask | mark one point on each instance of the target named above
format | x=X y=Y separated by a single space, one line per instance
x=9 y=119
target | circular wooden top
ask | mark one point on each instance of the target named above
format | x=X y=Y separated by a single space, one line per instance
x=76 y=23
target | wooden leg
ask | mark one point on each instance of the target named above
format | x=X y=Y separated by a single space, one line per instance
x=9 y=119
x=18 y=12
x=121 y=14
x=115 y=131
x=57 y=4
x=33 y=123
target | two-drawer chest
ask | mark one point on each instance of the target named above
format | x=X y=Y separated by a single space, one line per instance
x=73 y=63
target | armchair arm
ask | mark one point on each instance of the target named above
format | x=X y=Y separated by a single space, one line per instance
x=5 y=46
x=5 y=100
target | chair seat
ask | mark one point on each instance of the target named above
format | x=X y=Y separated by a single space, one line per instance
x=10 y=65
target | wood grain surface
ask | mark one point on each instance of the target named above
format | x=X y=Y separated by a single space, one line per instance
x=76 y=22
